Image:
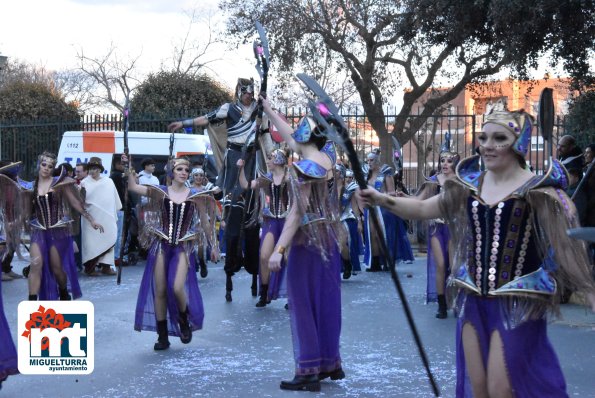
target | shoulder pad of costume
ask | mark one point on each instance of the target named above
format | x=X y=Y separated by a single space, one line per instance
x=62 y=179
x=11 y=170
x=433 y=178
x=310 y=169
x=26 y=185
x=159 y=188
x=556 y=176
x=468 y=172
x=386 y=170
x=267 y=176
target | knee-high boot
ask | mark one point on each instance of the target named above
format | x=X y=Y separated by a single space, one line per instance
x=162 y=339
x=262 y=302
x=185 y=331
x=442 y=313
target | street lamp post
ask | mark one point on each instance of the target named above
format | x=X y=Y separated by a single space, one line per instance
x=3 y=59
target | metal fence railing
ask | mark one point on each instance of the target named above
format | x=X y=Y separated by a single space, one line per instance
x=25 y=140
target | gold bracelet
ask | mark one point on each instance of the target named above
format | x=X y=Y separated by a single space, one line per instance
x=281 y=250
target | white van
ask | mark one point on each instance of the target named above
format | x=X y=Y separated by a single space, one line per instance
x=80 y=146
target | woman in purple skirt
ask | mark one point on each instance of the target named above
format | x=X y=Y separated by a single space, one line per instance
x=53 y=272
x=511 y=260
x=274 y=208
x=438 y=262
x=310 y=236
x=9 y=238
x=169 y=299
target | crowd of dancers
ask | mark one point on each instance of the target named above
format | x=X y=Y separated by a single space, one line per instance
x=293 y=217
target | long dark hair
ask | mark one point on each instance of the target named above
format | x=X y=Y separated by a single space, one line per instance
x=45 y=154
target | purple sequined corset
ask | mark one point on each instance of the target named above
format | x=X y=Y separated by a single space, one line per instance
x=48 y=212
x=177 y=221
x=502 y=247
x=277 y=201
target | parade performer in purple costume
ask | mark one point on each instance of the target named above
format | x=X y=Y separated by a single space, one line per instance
x=50 y=201
x=9 y=240
x=169 y=300
x=310 y=235
x=438 y=262
x=511 y=259
x=274 y=201
x=350 y=218
x=381 y=178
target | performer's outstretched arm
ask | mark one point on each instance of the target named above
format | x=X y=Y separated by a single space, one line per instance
x=407 y=208
x=199 y=121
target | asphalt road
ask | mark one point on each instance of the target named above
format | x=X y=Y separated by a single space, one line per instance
x=244 y=351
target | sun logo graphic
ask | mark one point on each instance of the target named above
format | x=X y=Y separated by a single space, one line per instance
x=56 y=337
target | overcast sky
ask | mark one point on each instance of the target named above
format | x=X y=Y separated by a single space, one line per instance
x=49 y=32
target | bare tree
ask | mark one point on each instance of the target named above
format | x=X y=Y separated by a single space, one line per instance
x=116 y=77
x=194 y=52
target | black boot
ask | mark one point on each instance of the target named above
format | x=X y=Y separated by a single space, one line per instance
x=162 y=341
x=33 y=297
x=64 y=296
x=441 y=314
x=185 y=331
x=336 y=374
x=375 y=266
x=228 y=287
x=203 y=269
x=302 y=383
x=262 y=302
x=346 y=269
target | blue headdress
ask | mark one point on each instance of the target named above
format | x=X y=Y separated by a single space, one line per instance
x=446 y=152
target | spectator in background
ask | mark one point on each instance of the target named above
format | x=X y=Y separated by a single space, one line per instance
x=589 y=155
x=80 y=172
x=103 y=203
x=117 y=177
x=146 y=177
x=585 y=198
x=570 y=154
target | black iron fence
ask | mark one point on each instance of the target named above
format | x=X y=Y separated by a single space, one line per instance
x=24 y=141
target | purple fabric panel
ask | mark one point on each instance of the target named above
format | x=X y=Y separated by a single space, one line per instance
x=8 y=351
x=532 y=364
x=314 y=296
x=145 y=305
x=61 y=239
x=277 y=286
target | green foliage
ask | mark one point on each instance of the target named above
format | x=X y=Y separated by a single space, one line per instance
x=580 y=121
x=524 y=31
x=22 y=100
x=170 y=93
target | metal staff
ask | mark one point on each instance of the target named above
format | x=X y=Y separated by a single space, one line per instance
x=327 y=115
x=126 y=221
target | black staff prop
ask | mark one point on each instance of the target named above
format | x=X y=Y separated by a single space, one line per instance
x=126 y=223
